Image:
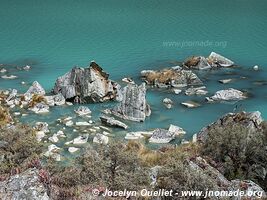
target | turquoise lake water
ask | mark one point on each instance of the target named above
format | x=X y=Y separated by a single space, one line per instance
x=125 y=37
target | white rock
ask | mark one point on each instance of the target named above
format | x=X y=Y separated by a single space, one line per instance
x=184 y=141
x=54 y=138
x=177 y=91
x=100 y=139
x=73 y=149
x=190 y=104
x=40 y=108
x=224 y=81
x=17 y=113
x=256 y=67
x=9 y=77
x=194 y=139
x=27 y=67
x=82 y=110
x=228 y=95
x=3 y=70
x=161 y=136
x=40 y=135
x=69 y=103
x=135 y=135
x=82 y=124
x=176 y=130
x=81 y=139
x=69 y=123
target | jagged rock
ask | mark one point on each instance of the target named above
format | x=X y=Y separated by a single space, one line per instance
x=87 y=85
x=161 y=136
x=36 y=88
x=250 y=120
x=82 y=110
x=111 y=121
x=133 y=105
x=53 y=152
x=171 y=78
x=55 y=100
x=227 y=95
x=176 y=130
x=197 y=62
x=196 y=91
x=219 y=61
x=25 y=185
x=100 y=139
x=40 y=108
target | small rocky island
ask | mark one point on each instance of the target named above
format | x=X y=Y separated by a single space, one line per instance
x=228 y=154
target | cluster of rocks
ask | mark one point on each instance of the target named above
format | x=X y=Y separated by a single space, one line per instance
x=172 y=77
x=158 y=135
x=214 y=60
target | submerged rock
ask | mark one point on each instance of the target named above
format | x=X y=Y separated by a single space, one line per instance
x=89 y=84
x=256 y=67
x=161 y=136
x=227 y=95
x=25 y=185
x=82 y=139
x=225 y=81
x=9 y=77
x=133 y=105
x=3 y=70
x=128 y=80
x=73 y=149
x=170 y=78
x=111 y=121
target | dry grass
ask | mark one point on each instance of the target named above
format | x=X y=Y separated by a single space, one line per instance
x=162 y=76
x=36 y=99
x=192 y=61
x=4 y=116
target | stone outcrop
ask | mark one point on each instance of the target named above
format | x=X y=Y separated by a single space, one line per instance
x=133 y=105
x=26 y=185
x=55 y=100
x=205 y=169
x=227 y=95
x=171 y=77
x=214 y=60
x=36 y=88
x=250 y=120
x=83 y=85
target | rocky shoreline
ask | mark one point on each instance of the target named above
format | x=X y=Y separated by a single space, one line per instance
x=92 y=85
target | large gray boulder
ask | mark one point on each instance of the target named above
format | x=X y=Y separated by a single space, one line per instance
x=111 y=121
x=197 y=62
x=133 y=105
x=26 y=186
x=227 y=95
x=170 y=77
x=89 y=84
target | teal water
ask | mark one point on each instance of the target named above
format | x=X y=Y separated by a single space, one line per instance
x=125 y=37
